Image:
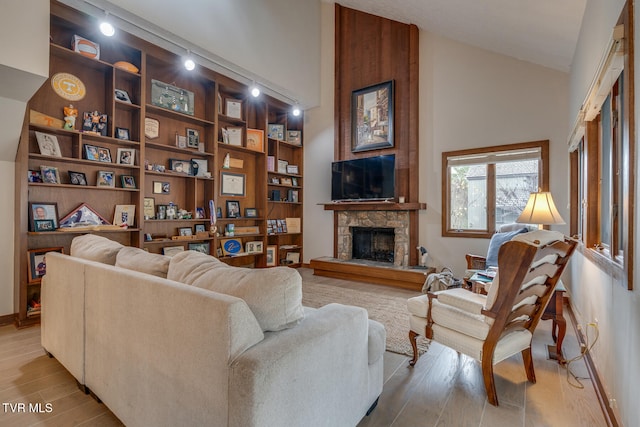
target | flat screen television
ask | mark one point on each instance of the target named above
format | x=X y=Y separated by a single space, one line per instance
x=368 y=178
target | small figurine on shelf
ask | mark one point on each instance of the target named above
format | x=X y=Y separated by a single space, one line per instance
x=70 y=114
x=226 y=163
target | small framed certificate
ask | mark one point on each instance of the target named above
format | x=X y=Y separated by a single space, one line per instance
x=233 y=108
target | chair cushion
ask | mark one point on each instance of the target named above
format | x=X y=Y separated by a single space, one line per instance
x=459 y=320
x=145 y=262
x=274 y=295
x=463 y=299
x=496 y=241
x=95 y=248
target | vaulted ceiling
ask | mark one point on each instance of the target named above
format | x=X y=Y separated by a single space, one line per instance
x=543 y=32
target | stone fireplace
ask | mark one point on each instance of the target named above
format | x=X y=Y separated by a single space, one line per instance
x=386 y=231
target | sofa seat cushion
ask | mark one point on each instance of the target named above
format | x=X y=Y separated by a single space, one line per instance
x=95 y=248
x=137 y=259
x=274 y=294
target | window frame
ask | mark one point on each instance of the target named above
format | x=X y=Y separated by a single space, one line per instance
x=616 y=256
x=543 y=183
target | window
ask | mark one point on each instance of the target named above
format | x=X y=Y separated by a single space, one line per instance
x=487 y=187
x=602 y=161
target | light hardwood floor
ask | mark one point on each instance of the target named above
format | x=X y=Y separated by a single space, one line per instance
x=443 y=389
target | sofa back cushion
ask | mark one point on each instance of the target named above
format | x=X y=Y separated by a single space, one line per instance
x=95 y=248
x=145 y=262
x=274 y=294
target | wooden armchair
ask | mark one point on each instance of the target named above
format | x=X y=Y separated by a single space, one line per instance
x=494 y=327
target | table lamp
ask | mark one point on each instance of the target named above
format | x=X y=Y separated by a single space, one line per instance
x=540 y=210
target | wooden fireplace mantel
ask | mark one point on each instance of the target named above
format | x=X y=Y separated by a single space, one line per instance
x=374 y=206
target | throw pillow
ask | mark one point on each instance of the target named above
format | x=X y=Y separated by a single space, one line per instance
x=274 y=295
x=145 y=262
x=95 y=248
x=496 y=241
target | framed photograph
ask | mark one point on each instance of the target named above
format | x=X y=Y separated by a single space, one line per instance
x=185 y=231
x=151 y=128
x=233 y=209
x=275 y=131
x=272 y=258
x=200 y=228
x=43 y=211
x=200 y=168
x=251 y=212
x=256 y=247
x=122 y=133
x=91 y=153
x=162 y=212
x=255 y=140
x=44 y=225
x=292 y=169
x=48 y=144
x=294 y=137
x=372 y=117
x=127 y=181
x=193 y=138
x=77 y=178
x=181 y=141
x=106 y=179
x=149 y=208
x=124 y=214
x=34 y=176
x=232 y=184
x=50 y=175
x=95 y=123
x=294 y=181
x=233 y=108
x=38 y=263
x=126 y=156
x=219 y=212
x=180 y=166
x=82 y=216
x=231 y=246
x=104 y=155
x=160 y=187
x=199 y=247
x=200 y=213
x=172 y=250
x=282 y=166
x=122 y=96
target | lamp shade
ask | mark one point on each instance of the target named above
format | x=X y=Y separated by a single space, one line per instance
x=540 y=209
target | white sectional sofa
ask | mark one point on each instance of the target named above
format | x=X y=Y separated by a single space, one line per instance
x=208 y=344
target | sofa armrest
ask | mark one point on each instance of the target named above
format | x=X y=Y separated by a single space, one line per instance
x=314 y=373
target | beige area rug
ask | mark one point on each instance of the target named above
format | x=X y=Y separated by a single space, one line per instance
x=389 y=310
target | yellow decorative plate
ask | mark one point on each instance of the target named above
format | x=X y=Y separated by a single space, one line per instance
x=68 y=86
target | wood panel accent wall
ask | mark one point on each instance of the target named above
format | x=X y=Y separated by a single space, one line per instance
x=371 y=50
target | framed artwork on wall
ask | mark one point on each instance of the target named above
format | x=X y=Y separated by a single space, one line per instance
x=372 y=117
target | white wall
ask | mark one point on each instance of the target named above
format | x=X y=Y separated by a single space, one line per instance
x=318 y=151
x=20 y=76
x=595 y=294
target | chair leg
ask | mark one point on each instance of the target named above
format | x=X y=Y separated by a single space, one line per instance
x=489 y=383
x=413 y=337
x=528 y=364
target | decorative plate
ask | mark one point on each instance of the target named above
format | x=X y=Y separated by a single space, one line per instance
x=68 y=86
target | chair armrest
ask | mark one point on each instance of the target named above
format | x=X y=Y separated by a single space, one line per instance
x=476 y=262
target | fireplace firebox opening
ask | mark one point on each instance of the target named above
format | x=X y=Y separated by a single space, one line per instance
x=373 y=243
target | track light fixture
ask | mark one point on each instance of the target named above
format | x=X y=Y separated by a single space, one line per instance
x=255 y=90
x=189 y=64
x=106 y=27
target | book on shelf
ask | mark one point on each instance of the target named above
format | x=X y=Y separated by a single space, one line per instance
x=271 y=163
